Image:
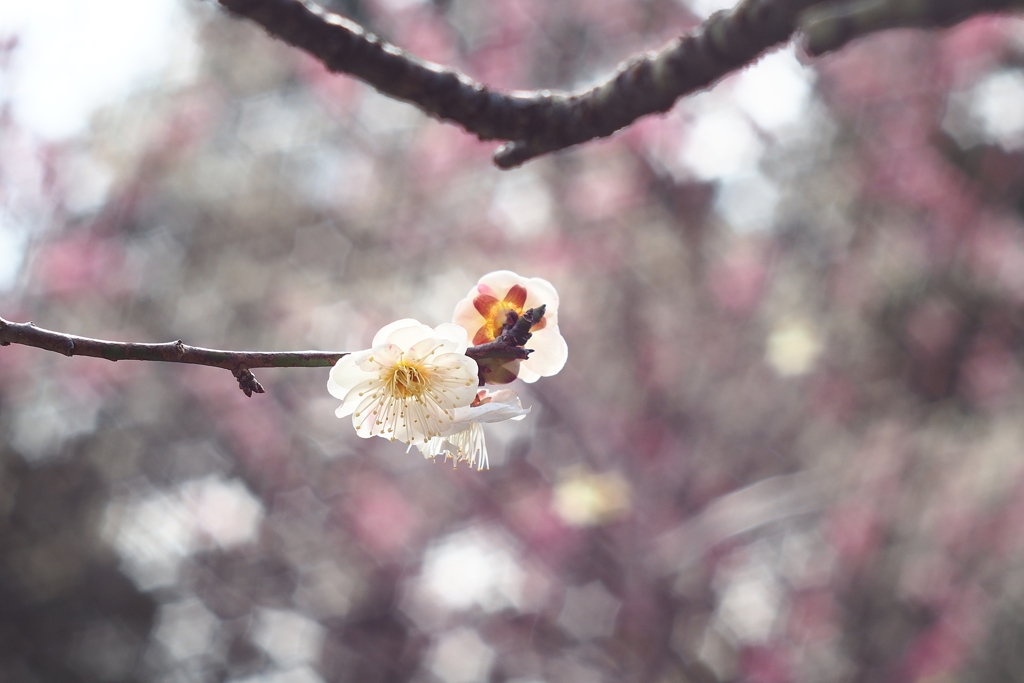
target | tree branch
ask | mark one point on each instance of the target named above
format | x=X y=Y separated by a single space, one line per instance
x=539 y=122
x=830 y=27
x=239 y=363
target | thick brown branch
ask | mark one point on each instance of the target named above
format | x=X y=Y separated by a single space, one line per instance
x=534 y=123
x=830 y=27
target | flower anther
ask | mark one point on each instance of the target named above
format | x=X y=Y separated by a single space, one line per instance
x=485 y=310
x=408 y=385
x=464 y=439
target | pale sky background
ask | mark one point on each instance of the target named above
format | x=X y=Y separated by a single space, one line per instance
x=74 y=56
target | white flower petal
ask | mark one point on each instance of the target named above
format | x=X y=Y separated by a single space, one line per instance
x=490 y=412
x=508 y=396
x=461 y=369
x=379 y=356
x=407 y=337
x=528 y=375
x=365 y=424
x=409 y=387
x=426 y=350
x=550 y=352
x=358 y=395
x=540 y=291
x=499 y=282
x=501 y=405
x=550 y=349
x=346 y=374
x=500 y=413
x=455 y=333
x=382 y=336
x=466 y=316
x=457 y=380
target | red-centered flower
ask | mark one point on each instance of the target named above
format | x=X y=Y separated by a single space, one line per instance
x=485 y=309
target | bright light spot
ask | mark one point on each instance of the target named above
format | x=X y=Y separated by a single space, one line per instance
x=384 y=117
x=720 y=142
x=225 y=511
x=775 y=91
x=13 y=241
x=153 y=531
x=75 y=57
x=749 y=605
x=718 y=654
x=302 y=674
x=334 y=176
x=461 y=657
x=793 y=347
x=472 y=567
x=42 y=422
x=185 y=628
x=589 y=612
x=274 y=123
x=705 y=8
x=86 y=183
x=522 y=204
x=288 y=637
x=399 y=5
x=151 y=534
x=997 y=102
x=748 y=202
x=586 y=499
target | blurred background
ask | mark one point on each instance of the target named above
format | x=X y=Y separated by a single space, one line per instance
x=787 y=445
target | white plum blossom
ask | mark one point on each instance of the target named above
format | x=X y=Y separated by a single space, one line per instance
x=417 y=385
x=408 y=386
x=464 y=440
x=483 y=313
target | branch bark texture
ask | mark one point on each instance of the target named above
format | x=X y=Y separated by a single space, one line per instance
x=830 y=26
x=539 y=122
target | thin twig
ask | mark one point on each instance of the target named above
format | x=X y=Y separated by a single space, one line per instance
x=239 y=363
x=537 y=122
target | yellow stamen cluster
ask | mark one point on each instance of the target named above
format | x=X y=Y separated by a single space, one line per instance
x=412 y=398
x=496 y=320
x=466 y=446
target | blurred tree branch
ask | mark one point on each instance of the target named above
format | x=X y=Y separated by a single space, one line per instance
x=240 y=363
x=830 y=26
x=534 y=123
x=539 y=122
